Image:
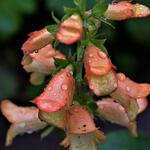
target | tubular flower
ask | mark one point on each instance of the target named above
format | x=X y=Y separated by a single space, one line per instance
x=99 y=71
x=102 y=85
x=37 y=40
x=58 y=93
x=41 y=63
x=57 y=119
x=128 y=92
x=109 y=110
x=80 y=121
x=88 y=141
x=23 y=119
x=81 y=130
x=125 y=10
x=70 y=30
x=96 y=62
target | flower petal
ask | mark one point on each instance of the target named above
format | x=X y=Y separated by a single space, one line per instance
x=36 y=41
x=23 y=127
x=57 y=119
x=111 y=111
x=102 y=85
x=17 y=114
x=96 y=62
x=43 y=60
x=131 y=88
x=88 y=141
x=125 y=10
x=58 y=93
x=70 y=30
x=80 y=121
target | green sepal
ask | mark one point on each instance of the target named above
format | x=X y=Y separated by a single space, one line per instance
x=99 y=8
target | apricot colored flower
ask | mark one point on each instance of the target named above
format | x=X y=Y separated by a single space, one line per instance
x=125 y=10
x=70 y=30
x=58 y=93
x=41 y=63
x=23 y=119
x=37 y=40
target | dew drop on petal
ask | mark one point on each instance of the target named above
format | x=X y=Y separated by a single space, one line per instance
x=128 y=89
x=115 y=85
x=64 y=87
x=50 y=88
x=121 y=77
x=102 y=55
x=90 y=55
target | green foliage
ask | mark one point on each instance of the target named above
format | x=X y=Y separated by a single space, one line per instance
x=11 y=12
x=8 y=84
x=47 y=131
x=99 y=8
x=138 y=30
x=122 y=140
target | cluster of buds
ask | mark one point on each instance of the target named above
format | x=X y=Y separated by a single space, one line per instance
x=56 y=106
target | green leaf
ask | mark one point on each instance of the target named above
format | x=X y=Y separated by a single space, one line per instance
x=8 y=83
x=81 y=4
x=70 y=11
x=55 y=18
x=61 y=63
x=52 y=28
x=99 y=43
x=80 y=52
x=104 y=20
x=99 y=8
x=122 y=140
x=47 y=131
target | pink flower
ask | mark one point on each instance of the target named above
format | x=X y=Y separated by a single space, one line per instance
x=70 y=30
x=41 y=63
x=125 y=10
x=36 y=41
x=58 y=93
x=23 y=119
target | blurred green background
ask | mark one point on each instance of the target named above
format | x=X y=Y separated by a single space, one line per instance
x=128 y=46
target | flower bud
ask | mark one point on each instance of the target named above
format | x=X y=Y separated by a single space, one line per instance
x=119 y=11
x=70 y=30
x=111 y=111
x=127 y=94
x=141 y=11
x=88 y=141
x=41 y=63
x=58 y=93
x=102 y=85
x=80 y=121
x=96 y=62
x=23 y=119
x=37 y=40
x=125 y=10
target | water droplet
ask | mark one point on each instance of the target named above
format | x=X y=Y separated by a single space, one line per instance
x=128 y=89
x=89 y=61
x=50 y=88
x=36 y=51
x=29 y=132
x=121 y=108
x=90 y=55
x=121 y=76
x=102 y=54
x=71 y=72
x=50 y=53
x=64 y=87
x=115 y=85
